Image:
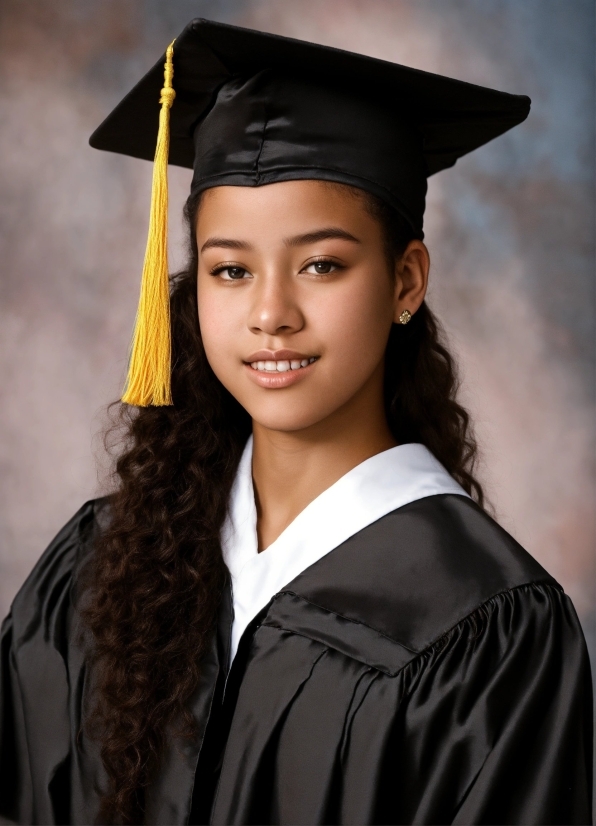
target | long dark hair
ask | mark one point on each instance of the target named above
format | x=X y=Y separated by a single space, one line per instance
x=157 y=574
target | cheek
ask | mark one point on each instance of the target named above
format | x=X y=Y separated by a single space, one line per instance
x=219 y=327
x=355 y=324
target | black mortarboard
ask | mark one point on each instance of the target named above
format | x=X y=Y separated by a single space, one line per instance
x=253 y=108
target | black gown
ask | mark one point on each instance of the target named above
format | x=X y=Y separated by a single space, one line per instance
x=428 y=670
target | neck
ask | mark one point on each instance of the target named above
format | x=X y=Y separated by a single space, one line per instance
x=290 y=469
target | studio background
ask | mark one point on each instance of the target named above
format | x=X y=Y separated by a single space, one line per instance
x=510 y=230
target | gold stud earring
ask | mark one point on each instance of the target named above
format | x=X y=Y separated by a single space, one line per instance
x=405 y=316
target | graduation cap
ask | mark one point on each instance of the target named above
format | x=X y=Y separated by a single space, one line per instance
x=245 y=108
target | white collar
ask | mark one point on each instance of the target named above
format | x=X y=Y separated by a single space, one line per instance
x=369 y=491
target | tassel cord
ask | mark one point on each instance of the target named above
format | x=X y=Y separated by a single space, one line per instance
x=149 y=371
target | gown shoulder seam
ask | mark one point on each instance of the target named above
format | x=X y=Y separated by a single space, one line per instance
x=437 y=640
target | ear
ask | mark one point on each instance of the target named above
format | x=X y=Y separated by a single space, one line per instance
x=411 y=278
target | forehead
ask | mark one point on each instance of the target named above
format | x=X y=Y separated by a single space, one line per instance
x=271 y=214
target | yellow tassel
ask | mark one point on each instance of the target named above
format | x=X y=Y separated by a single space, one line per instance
x=149 y=369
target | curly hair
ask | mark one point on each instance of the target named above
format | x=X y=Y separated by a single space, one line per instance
x=157 y=574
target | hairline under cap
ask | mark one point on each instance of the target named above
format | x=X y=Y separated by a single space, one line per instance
x=313 y=174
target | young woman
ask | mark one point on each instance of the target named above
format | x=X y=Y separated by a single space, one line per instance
x=293 y=608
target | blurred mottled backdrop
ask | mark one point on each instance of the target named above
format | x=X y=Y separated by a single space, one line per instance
x=510 y=229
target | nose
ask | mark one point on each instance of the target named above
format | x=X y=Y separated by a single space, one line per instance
x=275 y=310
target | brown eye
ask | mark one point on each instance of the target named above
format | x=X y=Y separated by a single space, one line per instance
x=322 y=267
x=231 y=273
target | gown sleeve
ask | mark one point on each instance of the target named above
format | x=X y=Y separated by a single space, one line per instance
x=495 y=721
x=35 y=683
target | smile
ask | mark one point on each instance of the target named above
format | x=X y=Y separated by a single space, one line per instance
x=281 y=366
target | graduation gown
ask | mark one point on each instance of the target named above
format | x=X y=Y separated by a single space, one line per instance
x=427 y=670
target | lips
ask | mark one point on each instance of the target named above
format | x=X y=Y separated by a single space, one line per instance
x=277 y=355
x=274 y=369
x=279 y=361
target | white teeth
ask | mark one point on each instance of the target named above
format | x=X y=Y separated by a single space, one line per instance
x=280 y=366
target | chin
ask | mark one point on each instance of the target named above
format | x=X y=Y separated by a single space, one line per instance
x=288 y=418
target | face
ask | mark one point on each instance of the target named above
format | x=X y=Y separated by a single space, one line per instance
x=296 y=299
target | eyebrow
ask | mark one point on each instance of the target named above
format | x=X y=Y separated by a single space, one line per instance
x=320 y=235
x=296 y=241
x=226 y=243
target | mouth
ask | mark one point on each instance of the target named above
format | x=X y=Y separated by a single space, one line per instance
x=281 y=365
x=273 y=370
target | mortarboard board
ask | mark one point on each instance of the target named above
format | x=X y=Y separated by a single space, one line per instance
x=252 y=108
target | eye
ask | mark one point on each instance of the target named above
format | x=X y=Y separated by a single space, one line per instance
x=230 y=273
x=321 y=267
